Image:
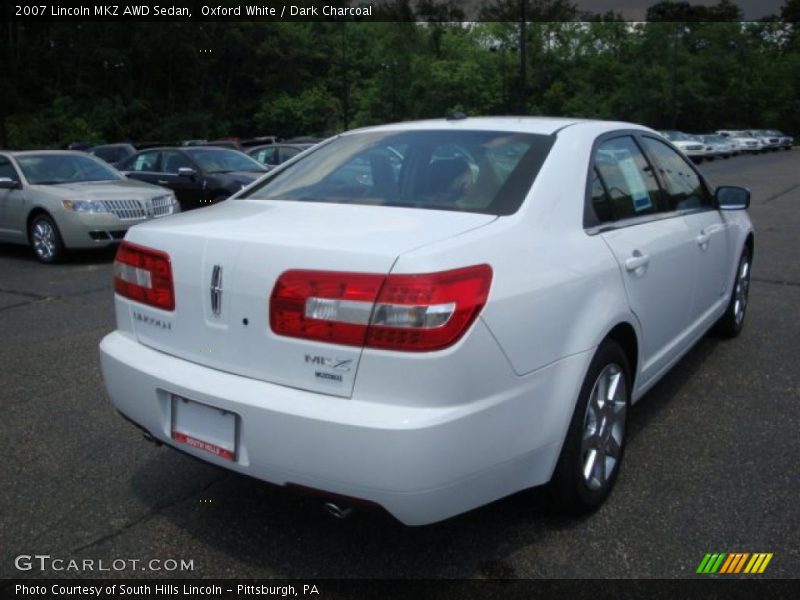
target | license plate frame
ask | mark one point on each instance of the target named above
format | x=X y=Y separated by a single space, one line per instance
x=204 y=427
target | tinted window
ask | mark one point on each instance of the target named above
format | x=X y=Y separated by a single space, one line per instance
x=287 y=153
x=601 y=204
x=627 y=179
x=146 y=161
x=265 y=156
x=172 y=160
x=470 y=171
x=683 y=186
x=222 y=160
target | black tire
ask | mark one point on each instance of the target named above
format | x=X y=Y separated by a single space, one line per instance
x=730 y=324
x=45 y=239
x=571 y=491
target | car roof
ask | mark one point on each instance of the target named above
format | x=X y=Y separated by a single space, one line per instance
x=299 y=146
x=537 y=125
x=114 y=145
x=49 y=152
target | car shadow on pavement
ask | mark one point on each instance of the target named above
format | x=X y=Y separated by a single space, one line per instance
x=261 y=530
x=73 y=257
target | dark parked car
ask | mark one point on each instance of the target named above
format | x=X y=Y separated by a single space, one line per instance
x=274 y=154
x=199 y=175
x=82 y=146
x=232 y=144
x=113 y=154
x=261 y=140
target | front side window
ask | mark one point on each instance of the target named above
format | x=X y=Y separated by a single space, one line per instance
x=627 y=180
x=469 y=171
x=685 y=190
x=47 y=169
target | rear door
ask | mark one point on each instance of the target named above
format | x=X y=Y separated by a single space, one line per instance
x=651 y=244
x=687 y=193
x=144 y=166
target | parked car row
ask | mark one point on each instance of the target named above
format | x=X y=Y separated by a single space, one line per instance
x=728 y=142
x=58 y=199
x=115 y=153
x=54 y=200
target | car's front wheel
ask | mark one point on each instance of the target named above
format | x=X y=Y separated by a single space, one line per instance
x=595 y=443
x=46 y=239
x=730 y=324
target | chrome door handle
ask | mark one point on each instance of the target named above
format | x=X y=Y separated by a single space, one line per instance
x=637 y=261
x=702 y=239
x=162 y=182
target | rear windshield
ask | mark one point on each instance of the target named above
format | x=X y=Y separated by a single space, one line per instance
x=467 y=171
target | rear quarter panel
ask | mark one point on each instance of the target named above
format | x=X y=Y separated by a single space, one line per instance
x=556 y=290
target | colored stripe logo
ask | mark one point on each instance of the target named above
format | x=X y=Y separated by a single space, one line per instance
x=735 y=562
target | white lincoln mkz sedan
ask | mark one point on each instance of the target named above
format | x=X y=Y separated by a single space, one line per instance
x=429 y=316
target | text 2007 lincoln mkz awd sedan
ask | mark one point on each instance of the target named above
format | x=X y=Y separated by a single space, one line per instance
x=429 y=316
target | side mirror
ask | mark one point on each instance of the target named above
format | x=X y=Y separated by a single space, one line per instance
x=186 y=172
x=732 y=197
x=6 y=183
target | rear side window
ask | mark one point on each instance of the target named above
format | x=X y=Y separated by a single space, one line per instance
x=266 y=156
x=286 y=153
x=146 y=161
x=685 y=190
x=468 y=171
x=173 y=160
x=623 y=183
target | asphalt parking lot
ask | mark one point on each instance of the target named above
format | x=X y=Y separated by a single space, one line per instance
x=711 y=464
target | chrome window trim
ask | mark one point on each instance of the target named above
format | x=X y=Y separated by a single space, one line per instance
x=636 y=134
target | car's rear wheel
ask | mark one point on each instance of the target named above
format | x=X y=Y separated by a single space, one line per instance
x=595 y=443
x=46 y=239
x=731 y=323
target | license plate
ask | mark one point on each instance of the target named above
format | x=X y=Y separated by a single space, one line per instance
x=204 y=427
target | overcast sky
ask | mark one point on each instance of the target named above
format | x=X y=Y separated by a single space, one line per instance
x=635 y=10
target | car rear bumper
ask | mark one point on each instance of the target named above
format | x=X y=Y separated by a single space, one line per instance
x=421 y=464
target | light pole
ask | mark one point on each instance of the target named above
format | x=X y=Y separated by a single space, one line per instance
x=523 y=100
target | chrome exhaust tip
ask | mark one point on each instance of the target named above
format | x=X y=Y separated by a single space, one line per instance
x=338 y=512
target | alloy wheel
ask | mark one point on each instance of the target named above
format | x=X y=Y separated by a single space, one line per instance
x=742 y=290
x=604 y=427
x=44 y=239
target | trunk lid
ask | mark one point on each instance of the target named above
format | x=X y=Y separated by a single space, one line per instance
x=249 y=243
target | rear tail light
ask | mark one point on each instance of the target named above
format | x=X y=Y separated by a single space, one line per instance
x=394 y=312
x=144 y=275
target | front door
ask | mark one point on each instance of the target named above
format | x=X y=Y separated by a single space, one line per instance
x=688 y=194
